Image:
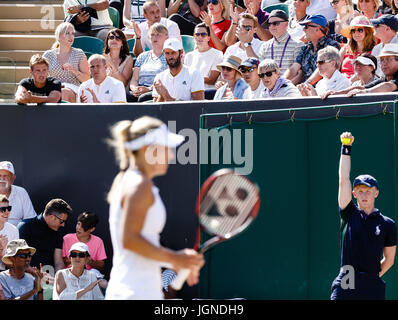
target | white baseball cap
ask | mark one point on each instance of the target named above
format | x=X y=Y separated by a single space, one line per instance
x=365 y=61
x=79 y=246
x=7 y=165
x=173 y=44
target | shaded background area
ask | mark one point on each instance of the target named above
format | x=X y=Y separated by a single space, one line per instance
x=60 y=151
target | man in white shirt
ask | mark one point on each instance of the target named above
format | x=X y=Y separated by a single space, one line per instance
x=322 y=7
x=247 y=45
x=249 y=70
x=178 y=82
x=8 y=231
x=282 y=47
x=386 y=28
x=152 y=15
x=101 y=88
x=17 y=196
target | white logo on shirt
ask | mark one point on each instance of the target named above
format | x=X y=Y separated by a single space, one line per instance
x=377 y=230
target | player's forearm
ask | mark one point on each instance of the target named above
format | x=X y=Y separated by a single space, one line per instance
x=385 y=265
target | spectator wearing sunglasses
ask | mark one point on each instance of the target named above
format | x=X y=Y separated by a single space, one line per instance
x=101 y=88
x=43 y=232
x=8 y=231
x=20 y=281
x=345 y=13
x=205 y=59
x=118 y=58
x=247 y=46
x=18 y=197
x=235 y=86
x=249 y=71
x=282 y=47
x=85 y=226
x=360 y=40
x=386 y=28
x=275 y=85
x=218 y=20
x=328 y=63
x=316 y=32
x=76 y=282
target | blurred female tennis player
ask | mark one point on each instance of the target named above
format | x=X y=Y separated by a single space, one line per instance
x=137 y=213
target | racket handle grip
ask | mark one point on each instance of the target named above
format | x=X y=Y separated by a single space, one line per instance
x=179 y=281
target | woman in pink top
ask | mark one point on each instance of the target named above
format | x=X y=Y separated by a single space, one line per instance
x=86 y=223
x=360 y=40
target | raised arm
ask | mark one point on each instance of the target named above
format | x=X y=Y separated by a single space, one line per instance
x=345 y=190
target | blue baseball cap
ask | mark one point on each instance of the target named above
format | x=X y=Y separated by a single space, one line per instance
x=366 y=180
x=250 y=62
x=389 y=20
x=317 y=19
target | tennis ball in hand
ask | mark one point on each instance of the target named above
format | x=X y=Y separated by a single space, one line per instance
x=345 y=140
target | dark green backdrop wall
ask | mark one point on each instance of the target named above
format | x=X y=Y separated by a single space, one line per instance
x=292 y=250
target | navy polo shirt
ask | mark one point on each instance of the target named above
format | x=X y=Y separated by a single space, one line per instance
x=39 y=236
x=364 y=237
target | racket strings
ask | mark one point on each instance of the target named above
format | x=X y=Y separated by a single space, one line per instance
x=223 y=201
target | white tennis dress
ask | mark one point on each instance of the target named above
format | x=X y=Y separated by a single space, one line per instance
x=134 y=276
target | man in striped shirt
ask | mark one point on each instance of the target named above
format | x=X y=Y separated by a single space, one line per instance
x=282 y=47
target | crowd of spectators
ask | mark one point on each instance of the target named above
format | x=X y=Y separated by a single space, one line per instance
x=301 y=40
x=39 y=260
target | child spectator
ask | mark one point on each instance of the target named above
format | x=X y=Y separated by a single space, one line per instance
x=86 y=224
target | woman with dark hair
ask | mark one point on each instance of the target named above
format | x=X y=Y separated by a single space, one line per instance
x=394 y=6
x=117 y=54
x=360 y=40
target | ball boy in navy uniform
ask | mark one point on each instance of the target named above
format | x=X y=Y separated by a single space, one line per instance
x=367 y=235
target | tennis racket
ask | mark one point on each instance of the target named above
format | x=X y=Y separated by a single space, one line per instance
x=227 y=204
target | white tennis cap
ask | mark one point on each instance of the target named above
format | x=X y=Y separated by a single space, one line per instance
x=160 y=135
x=365 y=61
x=79 y=246
x=7 y=165
x=173 y=44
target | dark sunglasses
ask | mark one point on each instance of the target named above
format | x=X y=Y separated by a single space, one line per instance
x=360 y=30
x=78 y=254
x=61 y=221
x=201 y=34
x=226 y=68
x=310 y=25
x=334 y=2
x=267 y=74
x=215 y=2
x=4 y=209
x=248 y=28
x=276 y=23
x=23 y=255
x=113 y=37
x=244 y=70
x=321 y=62
x=299 y=0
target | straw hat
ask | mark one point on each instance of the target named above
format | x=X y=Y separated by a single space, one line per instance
x=230 y=61
x=12 y=248
x=359 y=21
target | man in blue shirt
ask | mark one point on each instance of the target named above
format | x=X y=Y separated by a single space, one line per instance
x=367 y=235
x=316 y=32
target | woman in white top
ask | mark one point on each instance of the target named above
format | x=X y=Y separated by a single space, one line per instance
x=67 y=64
x=204 y=57
x=328 y=63
x=137 y=213
x=77 y=283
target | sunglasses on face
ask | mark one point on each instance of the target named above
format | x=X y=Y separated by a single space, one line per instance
x=78 y=254
x=215 y=2
x=310 y=25
x=299 y=0
x=5 y=209
x=267 y=74
x=200 y=34
x=23 y=255
x=61 y=221
x=247 y=28
x=244 y=70
x=276 y=23
x=113 y=37
x=224 y=68
x=334 y=2
x=377 y=25
x=321 y=62
x=360 y=30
